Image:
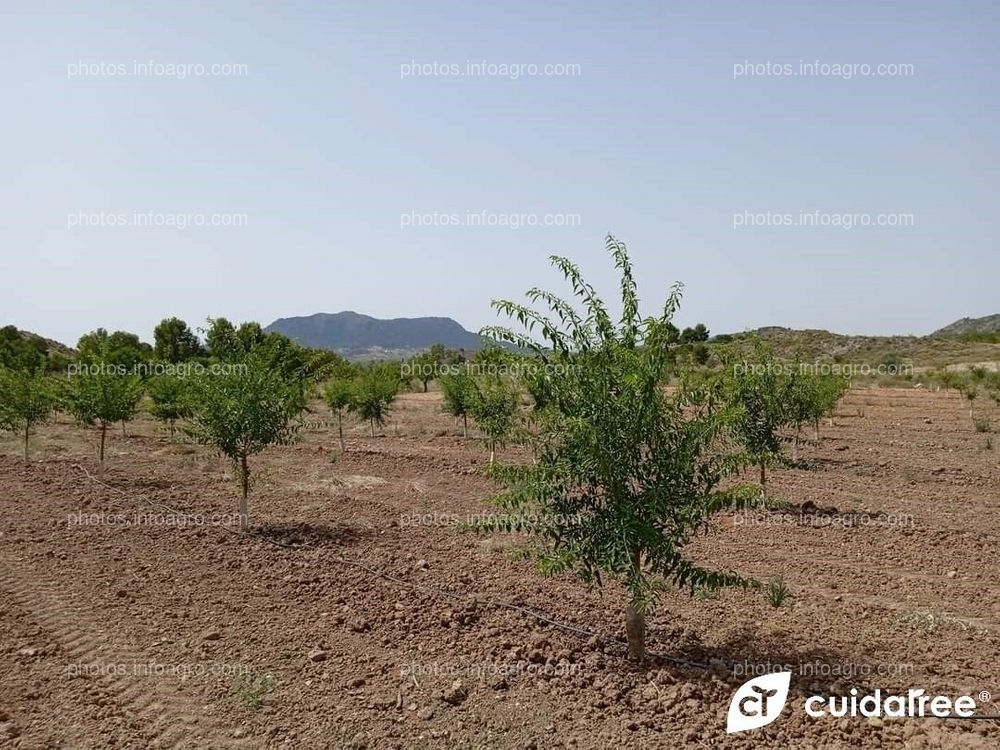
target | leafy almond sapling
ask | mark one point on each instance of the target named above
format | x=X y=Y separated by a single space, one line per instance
x=102 y=396
x=424 y=367
x=27 y=398
x=971 y=392
x=830 y=389
x=808 y=396
x=758 y=391
x=373 y=394
x=493 y=406
x=993 y=387
x=458 y=389
x=338 y=394
x=171 y=400
x=800 y=404
x=535 y=381
x=244 y=411
x=636 y=467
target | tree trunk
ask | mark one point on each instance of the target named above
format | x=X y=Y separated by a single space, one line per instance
x=763 y=479
x=795 y=445
x=245 y=482
x=816 y=430
x=465 y=426
x=123 y=429
x=27 y=428
x=340 y=431
x=425 y=386
x=493 y=453
x=371 y=423
x=635 y=622
x=104 y=432
x=635 y=632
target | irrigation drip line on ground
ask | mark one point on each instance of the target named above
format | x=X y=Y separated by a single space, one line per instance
x=487 y=601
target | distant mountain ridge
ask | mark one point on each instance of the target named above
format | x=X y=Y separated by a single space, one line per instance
x=355 y=335
x=362 y=337
x=986 y=324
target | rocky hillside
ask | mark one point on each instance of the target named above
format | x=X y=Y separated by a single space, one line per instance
x=966 y=326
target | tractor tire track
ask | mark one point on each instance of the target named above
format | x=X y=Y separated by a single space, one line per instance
x=163 y=714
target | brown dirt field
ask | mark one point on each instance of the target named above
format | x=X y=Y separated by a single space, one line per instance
x=150 y=634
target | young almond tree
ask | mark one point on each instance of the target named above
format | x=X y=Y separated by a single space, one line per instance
x=801 y=402
x=493 y=405
x=949 y=380
x=758 y=391
x=830 y=389
x=636 y=468
x=458 y=389
x=27 y=398
x=993 y=387
x=535 y=383
x=171 y=397
x=970 y=390
x=244 y=410
x=373 y=394
x=339 y=392
x=102 y=395
x=424 y=367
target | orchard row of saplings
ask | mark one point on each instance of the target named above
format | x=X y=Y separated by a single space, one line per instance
x=638 y=446
x=248 y=401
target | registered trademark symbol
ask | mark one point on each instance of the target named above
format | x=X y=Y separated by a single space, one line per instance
x=984 y=696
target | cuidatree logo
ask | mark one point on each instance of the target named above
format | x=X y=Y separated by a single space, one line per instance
x=758 y=702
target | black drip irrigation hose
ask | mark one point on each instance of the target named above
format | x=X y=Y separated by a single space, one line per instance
x=487 y=601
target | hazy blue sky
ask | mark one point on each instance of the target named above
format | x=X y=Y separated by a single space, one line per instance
x=329 y=151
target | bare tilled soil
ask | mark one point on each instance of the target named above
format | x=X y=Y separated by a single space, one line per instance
x=360 y=614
